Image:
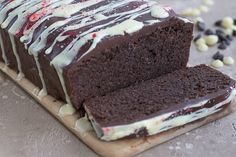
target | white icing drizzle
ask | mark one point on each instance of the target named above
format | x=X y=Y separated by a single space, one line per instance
x=3 y=50
x=43 y=92
x=66 y=110
x=20 y=74
x=159 y=124
x=159 y=12
x=68 y=11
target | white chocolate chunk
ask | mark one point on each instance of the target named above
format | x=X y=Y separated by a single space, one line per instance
x=200 y=41
x=208 y=2
x=228 y=60
x=203 y=48
x=203 y=8
x=83 y=125
x=212 y=40
x=228 y=31
x=198 y=19
x=217 y=63
x=191 y=12
x=227 y=22
x=159 y=12
x=67 y=110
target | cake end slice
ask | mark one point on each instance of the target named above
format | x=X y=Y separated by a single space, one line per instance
x=160 y=104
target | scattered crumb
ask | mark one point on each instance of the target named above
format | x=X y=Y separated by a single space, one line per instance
x=171 y=147
x=177 y=148
x=198 y=137
x=4 y=97
x=188 y=145
x=234 y=127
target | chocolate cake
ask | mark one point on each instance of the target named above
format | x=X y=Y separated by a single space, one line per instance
x=74 y=50
x=160 y=104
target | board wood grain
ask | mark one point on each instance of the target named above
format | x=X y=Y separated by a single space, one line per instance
x=120 y=148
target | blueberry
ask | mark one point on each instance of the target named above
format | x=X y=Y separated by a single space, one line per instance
x=219 y=56
x=209 y=32
x=227 y=42
x=222 y=46
x=221 y=35
x=230 y=38
x=201 y=26
x=218 y=23
x=234 y=33
x=197 y=37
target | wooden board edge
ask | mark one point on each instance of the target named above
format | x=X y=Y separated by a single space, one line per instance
x=120 y=148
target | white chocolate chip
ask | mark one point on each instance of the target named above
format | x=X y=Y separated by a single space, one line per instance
x=203 y=8
x=233 y=27
x=67 y=110
x=217 y=63
x=159 y=12
x=208 y=2
x=227 y=22
x=200 y=41
x=203 y=47
x=228 y=60
x=187 y=12
x=196 y=12
x=191 y=12
x=198 y=19
x=228 y=31
x=211 y=40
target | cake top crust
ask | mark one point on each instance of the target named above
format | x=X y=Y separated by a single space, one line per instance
x=62 y=28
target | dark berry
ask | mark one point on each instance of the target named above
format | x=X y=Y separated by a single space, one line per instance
x=209 y=32
x=229 y=37
x=219 y=31
x=218 y=55
x=234 y=33
x=201 y=26
x=227 y=42
x=222 y=46
x=221 y=35
x=218 y=23
x=197 y=37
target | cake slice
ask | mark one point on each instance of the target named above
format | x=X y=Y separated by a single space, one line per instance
x=160 y=104
x=78 y=49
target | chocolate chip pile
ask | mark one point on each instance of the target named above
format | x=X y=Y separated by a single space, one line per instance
x=222 y=37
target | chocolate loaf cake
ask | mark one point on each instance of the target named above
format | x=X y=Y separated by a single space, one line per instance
x=160 y=104
x=78 y=49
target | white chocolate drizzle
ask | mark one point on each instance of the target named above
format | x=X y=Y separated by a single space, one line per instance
x=20 y=74
x=72 y=16
x=4 y=57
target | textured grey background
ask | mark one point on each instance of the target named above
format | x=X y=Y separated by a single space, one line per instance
x=27 y=130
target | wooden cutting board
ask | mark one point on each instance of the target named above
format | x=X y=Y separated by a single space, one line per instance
x=82 y=129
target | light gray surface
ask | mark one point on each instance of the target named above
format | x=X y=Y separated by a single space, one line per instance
x=27 y=130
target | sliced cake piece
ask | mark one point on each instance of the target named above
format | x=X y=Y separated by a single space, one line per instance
x=160 y=104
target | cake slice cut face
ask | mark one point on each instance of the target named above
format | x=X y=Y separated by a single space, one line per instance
x=160 y=104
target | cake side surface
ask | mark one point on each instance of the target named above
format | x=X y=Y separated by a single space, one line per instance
x=62 y=32
x=162 y=103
